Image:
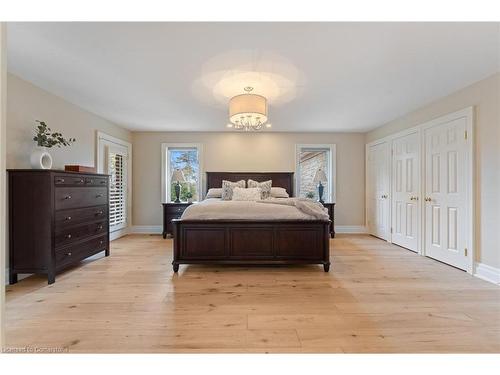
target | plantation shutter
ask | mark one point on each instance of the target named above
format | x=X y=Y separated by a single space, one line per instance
x=117 y=169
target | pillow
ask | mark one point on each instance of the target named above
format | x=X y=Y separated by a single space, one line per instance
x=265 y=186
x=250 y=194
x=214 y=193
x=279 y=192
x=227 y=188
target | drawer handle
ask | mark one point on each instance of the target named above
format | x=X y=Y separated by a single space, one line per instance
x=98 y=196
x=67 y=197
x=100 y=227
x=91 y=181
x=68 y=236
x=101 y=242
x=69 y=254
x=60 y=180
x=103 y=182
x=68 y=218
x=99 y=213
x=80 y=181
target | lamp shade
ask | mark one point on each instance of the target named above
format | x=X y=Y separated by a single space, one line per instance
x=320 y=176
x=178 y=176
x=248 y=107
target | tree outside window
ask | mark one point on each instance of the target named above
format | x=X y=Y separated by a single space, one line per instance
x=187 y=161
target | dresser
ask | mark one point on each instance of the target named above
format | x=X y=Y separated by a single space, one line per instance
x=171 y=211
x=56 y=219
x=331 y=212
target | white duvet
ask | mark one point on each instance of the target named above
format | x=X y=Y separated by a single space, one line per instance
x=271 y=209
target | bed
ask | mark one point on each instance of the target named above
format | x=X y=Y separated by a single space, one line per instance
x=250 y=241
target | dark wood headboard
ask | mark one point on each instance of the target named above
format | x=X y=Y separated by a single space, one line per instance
x=280 y=179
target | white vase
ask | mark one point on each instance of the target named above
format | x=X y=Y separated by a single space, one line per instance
x=40 y=158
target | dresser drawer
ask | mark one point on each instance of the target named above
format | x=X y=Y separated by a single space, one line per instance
x=69 y=180
x=75 y=216
x=75 y=197
x=96 y=181
x=175 y=210
x=75 y=234
x=80 y=251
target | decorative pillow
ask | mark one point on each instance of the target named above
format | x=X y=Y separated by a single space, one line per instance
x=265 y=186
x=227 y=188
x=250 y=194
x=279 y=192
x=214 y=193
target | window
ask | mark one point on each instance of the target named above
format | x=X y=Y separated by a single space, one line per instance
x=185 y=158
x=310 y=159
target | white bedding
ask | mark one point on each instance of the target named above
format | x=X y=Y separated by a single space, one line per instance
x=284 y=209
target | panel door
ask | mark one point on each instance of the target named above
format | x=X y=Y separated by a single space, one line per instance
x=378 y=190
x=406 y=191
x=445 y=193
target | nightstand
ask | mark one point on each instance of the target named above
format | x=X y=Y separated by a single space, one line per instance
x=331 y=213
x=171 y=211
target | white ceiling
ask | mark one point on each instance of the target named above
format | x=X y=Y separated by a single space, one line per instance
x=319 y=76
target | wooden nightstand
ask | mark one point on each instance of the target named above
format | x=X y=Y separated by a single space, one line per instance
x=171 y=211
x=331 y=213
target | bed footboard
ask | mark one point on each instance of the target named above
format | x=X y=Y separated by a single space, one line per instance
x=246 y=242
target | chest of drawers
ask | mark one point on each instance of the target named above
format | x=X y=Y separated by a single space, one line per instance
x=56 y=219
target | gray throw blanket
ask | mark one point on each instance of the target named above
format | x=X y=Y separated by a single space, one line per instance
x=307 y=206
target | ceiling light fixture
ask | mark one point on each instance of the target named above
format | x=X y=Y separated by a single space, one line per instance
x=248 y=111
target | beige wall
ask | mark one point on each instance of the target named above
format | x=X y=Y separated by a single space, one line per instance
x=485 y=97
x=27 y=103
x=256 y=152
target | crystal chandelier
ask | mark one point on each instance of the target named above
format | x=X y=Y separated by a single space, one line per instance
x=248 y=111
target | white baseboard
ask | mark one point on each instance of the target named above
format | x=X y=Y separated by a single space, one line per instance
x=147 y=229
x=119 y=233
x=350 y=229
x=20 y=276
x=487 y=273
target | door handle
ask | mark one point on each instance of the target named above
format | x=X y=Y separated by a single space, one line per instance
x=428 y=199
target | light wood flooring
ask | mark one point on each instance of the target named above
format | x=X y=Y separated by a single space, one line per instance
x=376 y=298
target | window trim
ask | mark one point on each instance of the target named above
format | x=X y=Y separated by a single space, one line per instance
x=165 y=187
x=332 y=161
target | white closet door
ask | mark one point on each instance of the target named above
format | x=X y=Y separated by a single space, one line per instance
x=445 y=192
x=405 y=191
x=378 y=190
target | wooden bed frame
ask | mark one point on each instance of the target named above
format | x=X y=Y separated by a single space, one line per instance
x=246 y=242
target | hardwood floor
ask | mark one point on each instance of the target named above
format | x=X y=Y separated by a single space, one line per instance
x=376 y=298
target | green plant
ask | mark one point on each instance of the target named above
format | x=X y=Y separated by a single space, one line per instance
x=310 y=195
x=45 y=138
x=189 y=195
